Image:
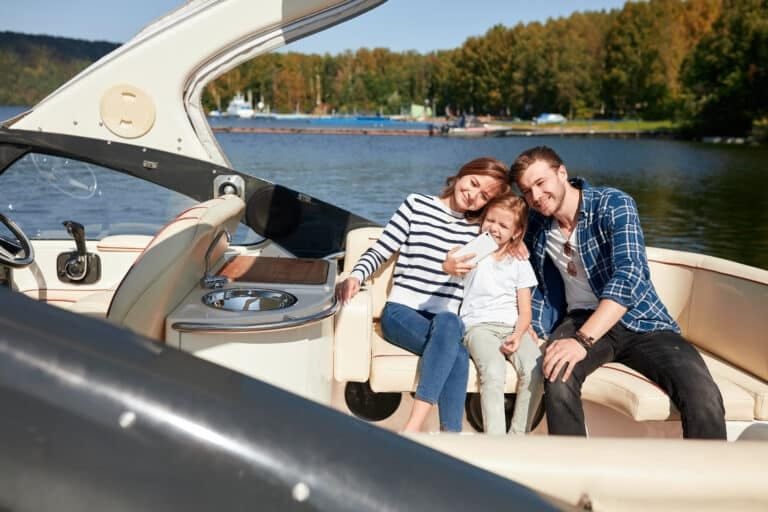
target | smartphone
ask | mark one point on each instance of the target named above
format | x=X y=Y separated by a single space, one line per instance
x=482 y=245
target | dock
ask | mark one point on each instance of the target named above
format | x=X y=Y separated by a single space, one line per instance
x=435 y=132
x=326 y=130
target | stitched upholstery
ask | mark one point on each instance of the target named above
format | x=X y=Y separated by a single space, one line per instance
x=172 y=265
x=738 y=358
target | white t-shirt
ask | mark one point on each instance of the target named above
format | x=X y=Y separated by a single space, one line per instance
x=490 y=290
x=578 y=292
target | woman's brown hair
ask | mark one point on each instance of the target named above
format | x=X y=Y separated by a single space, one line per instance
x=483 y=166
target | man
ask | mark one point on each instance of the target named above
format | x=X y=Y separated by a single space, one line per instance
x=596 y=298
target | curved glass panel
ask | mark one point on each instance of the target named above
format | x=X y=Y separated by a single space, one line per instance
x=40 y=191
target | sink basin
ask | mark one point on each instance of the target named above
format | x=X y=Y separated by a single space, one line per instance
x=249 y=299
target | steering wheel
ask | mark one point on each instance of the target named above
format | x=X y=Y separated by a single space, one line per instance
x=21 y=244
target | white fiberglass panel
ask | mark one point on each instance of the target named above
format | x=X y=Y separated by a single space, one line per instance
x=171 y=60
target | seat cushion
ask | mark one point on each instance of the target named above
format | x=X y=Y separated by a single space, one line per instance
x=631 y=393
x=95 y=304
x=756 y=388
x=613 y=385
x=395 y=369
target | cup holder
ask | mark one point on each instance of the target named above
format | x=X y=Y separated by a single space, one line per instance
x=249 y=299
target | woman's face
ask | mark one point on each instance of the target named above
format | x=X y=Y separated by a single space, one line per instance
x=472 y=192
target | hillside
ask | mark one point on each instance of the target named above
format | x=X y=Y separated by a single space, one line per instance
x=34 y=66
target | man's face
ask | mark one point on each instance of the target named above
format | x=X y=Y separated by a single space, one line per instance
x=544 y=187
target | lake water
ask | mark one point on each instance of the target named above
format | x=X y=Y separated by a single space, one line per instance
x=695 y=197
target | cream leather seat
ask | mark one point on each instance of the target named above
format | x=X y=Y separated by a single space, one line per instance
x=172 y=265
x=696 y=289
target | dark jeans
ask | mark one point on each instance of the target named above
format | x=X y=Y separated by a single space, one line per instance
x=664 y=357
x=444 y=364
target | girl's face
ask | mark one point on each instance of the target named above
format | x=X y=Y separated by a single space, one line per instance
x=502 y=224
x=472 y=192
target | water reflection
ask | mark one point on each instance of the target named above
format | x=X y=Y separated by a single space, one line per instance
x=693 y=197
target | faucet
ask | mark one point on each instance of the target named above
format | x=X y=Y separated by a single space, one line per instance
x=209 y=280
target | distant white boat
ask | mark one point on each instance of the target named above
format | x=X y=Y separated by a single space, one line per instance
x=239 y=107
x=297 y=115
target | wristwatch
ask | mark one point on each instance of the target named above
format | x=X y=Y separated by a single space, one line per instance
x=585 y=341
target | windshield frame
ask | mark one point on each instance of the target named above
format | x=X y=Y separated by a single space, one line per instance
x=301 y=224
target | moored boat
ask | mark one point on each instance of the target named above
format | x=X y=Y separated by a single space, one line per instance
x=263 y=304
x=239 y=107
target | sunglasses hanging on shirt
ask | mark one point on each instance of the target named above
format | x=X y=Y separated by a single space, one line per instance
x=568 y=251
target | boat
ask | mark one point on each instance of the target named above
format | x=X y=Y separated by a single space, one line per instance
x=471 y=127
x=239 y=107
x=485 y=130
x=548 y=118
x=226 y=374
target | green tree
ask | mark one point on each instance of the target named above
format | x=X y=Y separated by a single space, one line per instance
x=645 y=48
x=726 y=76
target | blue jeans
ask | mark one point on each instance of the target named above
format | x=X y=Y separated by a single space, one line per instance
x=444 y=365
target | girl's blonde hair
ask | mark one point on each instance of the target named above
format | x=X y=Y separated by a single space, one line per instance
x=514 y=204
x=483 y=166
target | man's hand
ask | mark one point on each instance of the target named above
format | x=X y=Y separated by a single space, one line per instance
x=457 y=265
x=563 y=353
x=510 y=345
x=347 y=289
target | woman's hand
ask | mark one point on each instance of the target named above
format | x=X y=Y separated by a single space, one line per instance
x=457 y=265
x=347 y=289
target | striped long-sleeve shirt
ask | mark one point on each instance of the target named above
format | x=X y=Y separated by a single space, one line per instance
x=423 y=230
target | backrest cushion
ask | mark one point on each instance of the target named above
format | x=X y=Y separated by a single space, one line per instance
x=722 y=306
x=172 y=265
x=358 y=241
x=672 y=275
x=729 y=317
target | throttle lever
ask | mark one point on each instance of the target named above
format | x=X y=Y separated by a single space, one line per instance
x=76 y=266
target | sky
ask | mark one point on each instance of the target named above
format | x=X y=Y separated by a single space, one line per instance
x=400 y=25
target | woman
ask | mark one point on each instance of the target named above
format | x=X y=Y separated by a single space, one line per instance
x=421 y=311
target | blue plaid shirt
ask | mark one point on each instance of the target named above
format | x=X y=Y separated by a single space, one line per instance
x=612 y=248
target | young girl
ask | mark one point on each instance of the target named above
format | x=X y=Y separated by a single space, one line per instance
x=421 y=313
x=497 y=312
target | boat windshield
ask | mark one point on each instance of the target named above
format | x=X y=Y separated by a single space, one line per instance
x=40 y=191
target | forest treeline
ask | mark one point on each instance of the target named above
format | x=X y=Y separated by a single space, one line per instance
x=33 y=66
x=699 y=62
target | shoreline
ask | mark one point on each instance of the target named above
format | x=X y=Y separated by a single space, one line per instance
x=483 y=133
x=435 y=132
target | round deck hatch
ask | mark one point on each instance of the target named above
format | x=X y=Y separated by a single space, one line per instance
x=127 y=111
x=249 y=299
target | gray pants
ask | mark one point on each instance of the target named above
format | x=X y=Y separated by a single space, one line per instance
x=483 y=341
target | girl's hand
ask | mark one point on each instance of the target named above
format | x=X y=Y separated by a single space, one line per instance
x=457 y=265
x=347 y=289
x=510 y=345
x=518 y=250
